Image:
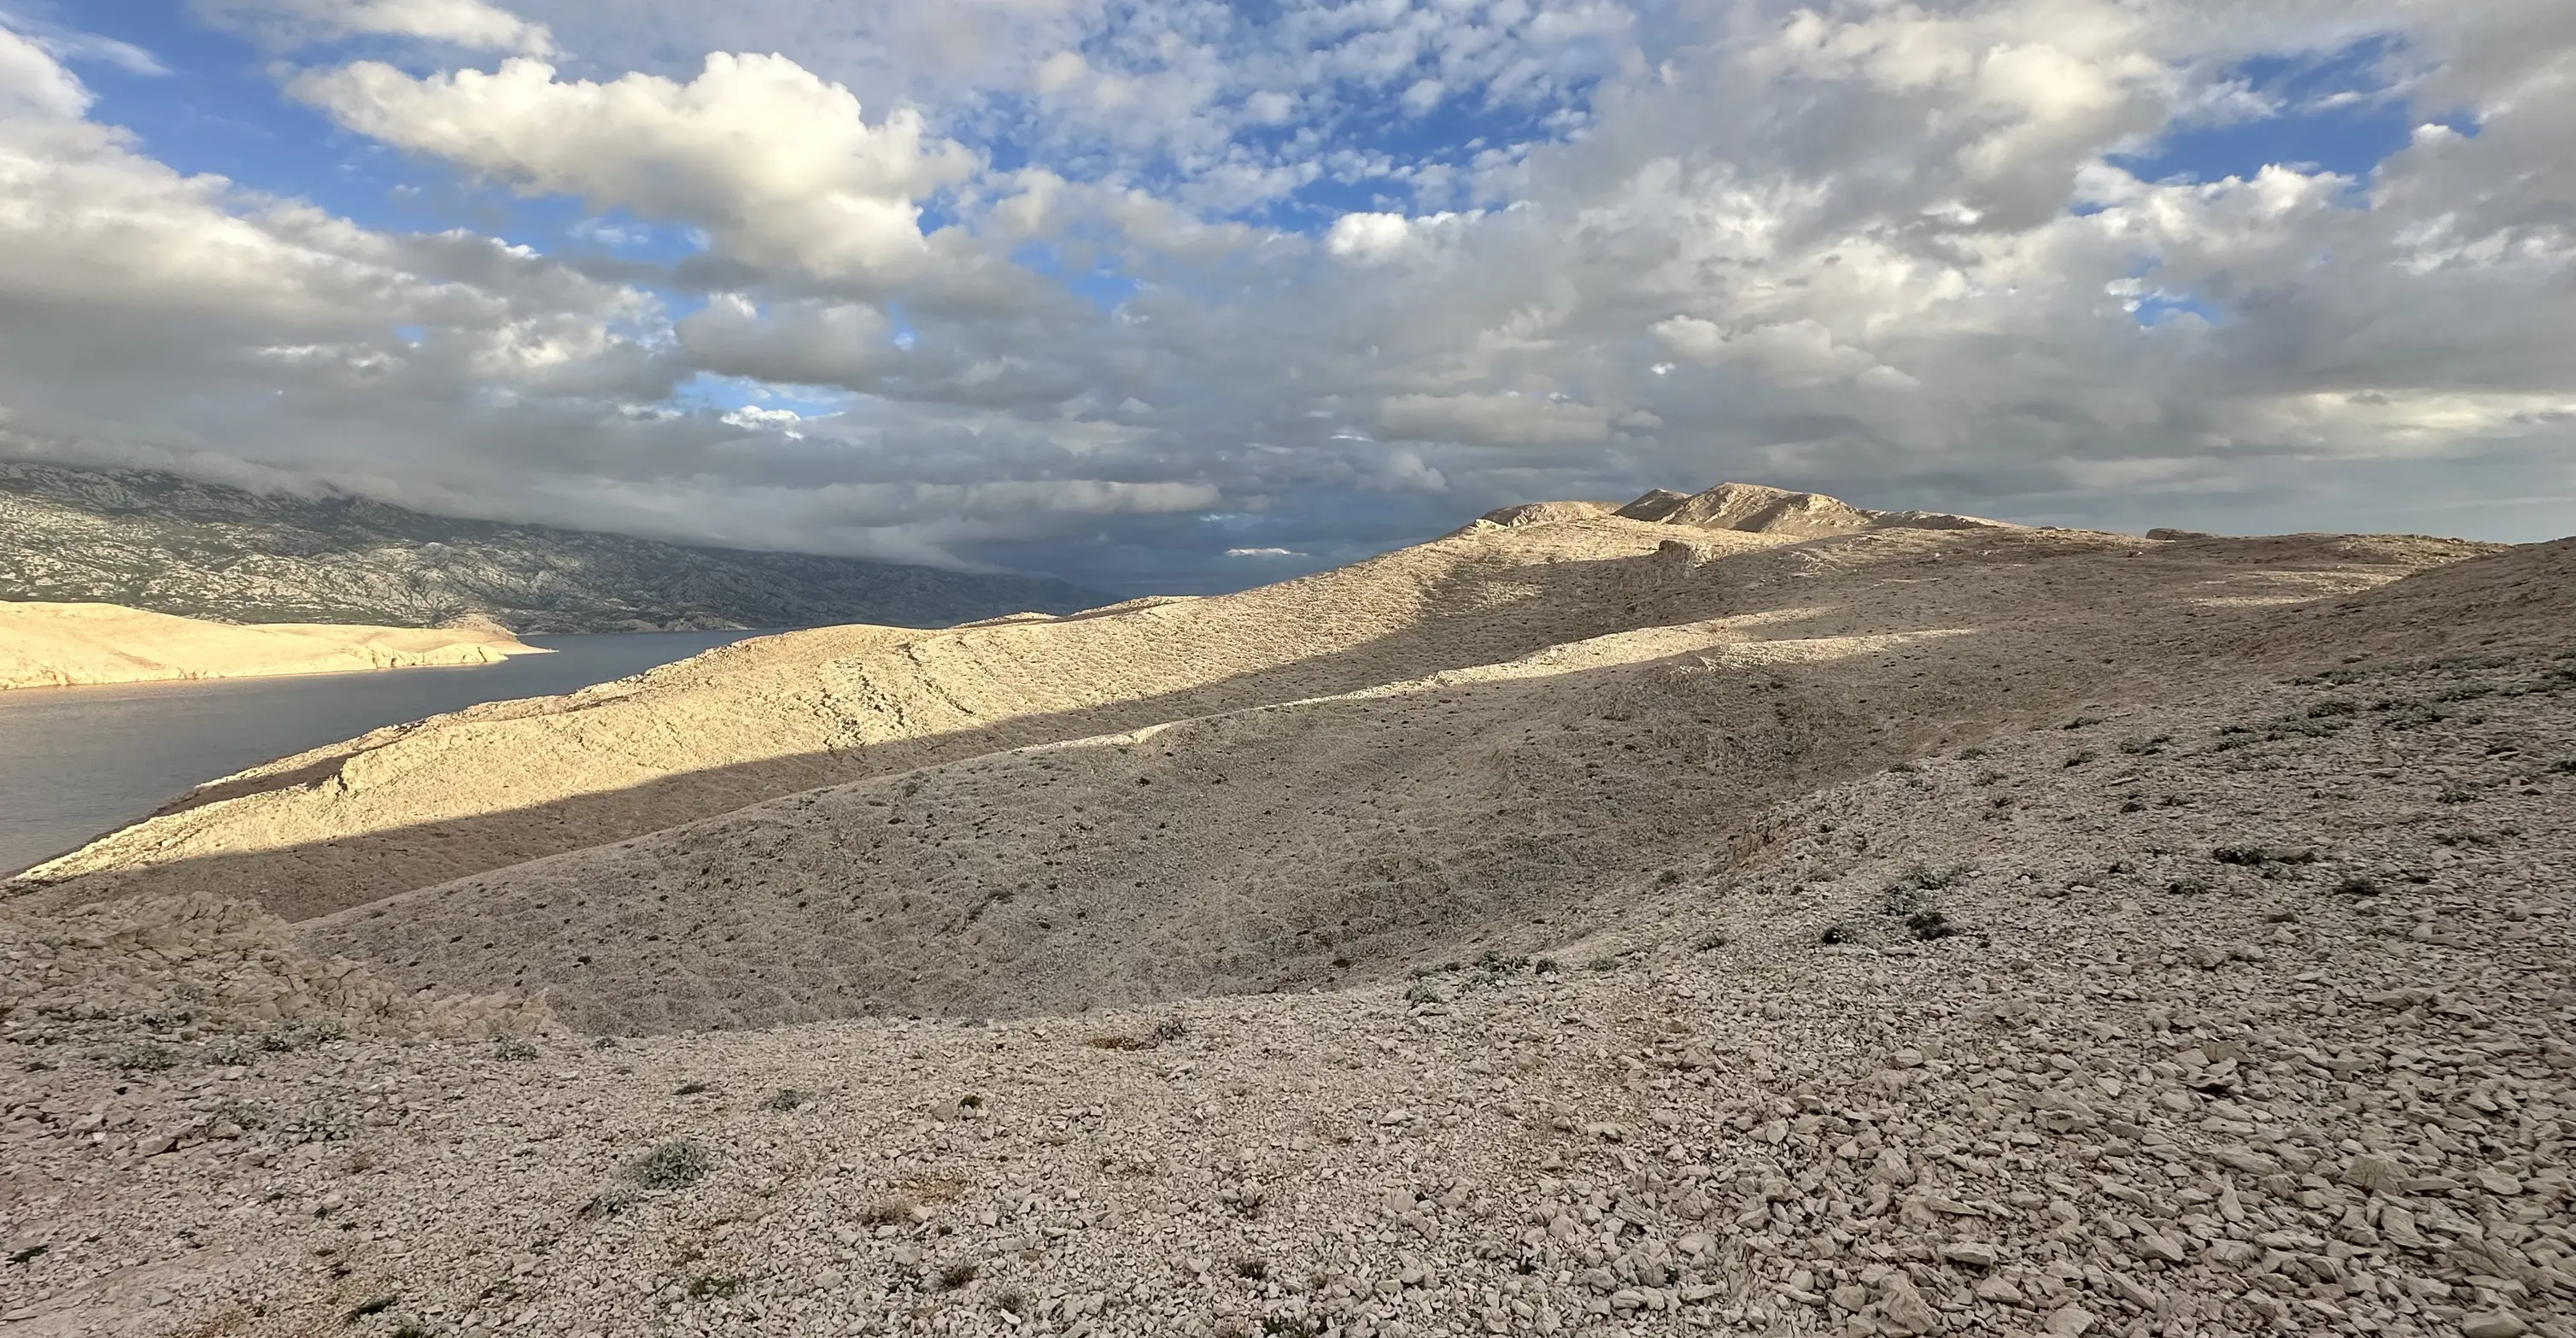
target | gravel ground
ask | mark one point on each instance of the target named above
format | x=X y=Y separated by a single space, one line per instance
x=2246 y=1012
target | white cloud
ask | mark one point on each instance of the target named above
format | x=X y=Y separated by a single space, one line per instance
x=1270 y=107
x=32 y=84
x=1375 y=238
x=1925 y=286
x=753 y=418
x=601 y=232
x=466 y=23
x=75 y=46
x=774 y=163
x=1368 y=237
x=1162 y=90
x=1263 y=553
x=1063 y=70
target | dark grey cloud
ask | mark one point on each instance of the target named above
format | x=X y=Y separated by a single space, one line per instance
x=1884 y=252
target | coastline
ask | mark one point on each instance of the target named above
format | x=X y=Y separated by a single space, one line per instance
x=87 y=645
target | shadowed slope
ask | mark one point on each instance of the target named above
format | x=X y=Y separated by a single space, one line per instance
x=418 y=804
x=503 y=784
x=2167 y=1016
x=1504 y=807
x=2202 y=970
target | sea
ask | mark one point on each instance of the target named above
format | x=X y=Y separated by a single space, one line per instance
x=76 y=763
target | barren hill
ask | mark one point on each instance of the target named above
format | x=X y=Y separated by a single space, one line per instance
x=1352 y=835
x=1677 y=921
x=1987 y=642
x=55 y=645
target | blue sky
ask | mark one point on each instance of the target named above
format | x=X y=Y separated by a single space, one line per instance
x=1137 y=290
x=215 y=104
x=2341 y=111
x=212 y=106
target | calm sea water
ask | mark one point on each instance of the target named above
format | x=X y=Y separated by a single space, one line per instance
x=77 y=762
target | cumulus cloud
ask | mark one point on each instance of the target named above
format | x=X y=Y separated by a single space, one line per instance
x=161 y=319
x=1169 y=93
x=33 y=85
x=754 y=418
x=1129 y=290
x=1374 y=238
x=775 y=164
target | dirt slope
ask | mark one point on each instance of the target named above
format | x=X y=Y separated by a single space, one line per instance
x=496 y=785
x=2238 y=999
x=1353 y=836
x=418 y=805
x=59 y=645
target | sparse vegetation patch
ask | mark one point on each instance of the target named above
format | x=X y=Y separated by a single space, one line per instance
x=671 y=1165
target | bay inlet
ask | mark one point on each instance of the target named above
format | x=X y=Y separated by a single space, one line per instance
x=78 y=762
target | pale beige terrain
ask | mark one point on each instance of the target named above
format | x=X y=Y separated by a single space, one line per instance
x=1578 y=924
x=63 y=645
x=418 y=805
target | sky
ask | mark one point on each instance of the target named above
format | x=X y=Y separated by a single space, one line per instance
x=1173 y=295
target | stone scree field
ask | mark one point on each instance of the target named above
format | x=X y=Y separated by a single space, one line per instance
x=2231 y=998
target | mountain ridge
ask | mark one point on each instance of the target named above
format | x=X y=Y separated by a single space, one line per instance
x=1749 y=508
x=168 y=544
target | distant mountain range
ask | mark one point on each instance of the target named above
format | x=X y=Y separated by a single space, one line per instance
x=170 y=544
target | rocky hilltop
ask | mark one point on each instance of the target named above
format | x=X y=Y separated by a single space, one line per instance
x=179 y=546
x=1751 y=915
x=1748 y=507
